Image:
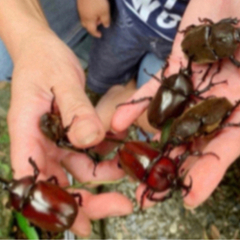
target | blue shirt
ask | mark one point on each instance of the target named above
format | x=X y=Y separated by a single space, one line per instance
x=162 y=16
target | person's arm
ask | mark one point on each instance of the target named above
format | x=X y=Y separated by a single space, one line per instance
x=19 y=21
x=41 y=62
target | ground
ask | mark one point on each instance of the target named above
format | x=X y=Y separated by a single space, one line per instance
x=217 y=218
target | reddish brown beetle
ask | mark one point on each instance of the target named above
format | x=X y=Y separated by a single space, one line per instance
x=148 y=165
x=44 y=203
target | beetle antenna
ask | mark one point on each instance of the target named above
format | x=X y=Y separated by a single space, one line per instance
x=35 y=167
x=152 y=75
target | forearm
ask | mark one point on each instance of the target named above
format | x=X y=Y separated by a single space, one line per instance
x=19 y=21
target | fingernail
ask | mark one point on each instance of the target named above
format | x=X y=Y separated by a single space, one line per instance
x=188 y=207
x=88 y=132
x=113 y=131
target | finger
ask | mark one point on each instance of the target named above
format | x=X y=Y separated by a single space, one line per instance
x=105 y=19
x=125 y=115
x=208 y=172
x=91 y=27
x=106 y=205
x=82 y=224
x=86 y=129
x=82 y=168
x=107 y=105
x=25 y=133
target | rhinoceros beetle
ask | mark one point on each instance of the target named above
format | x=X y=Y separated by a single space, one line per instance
x=173 y=96
x=154 y=168
x=43 y=203
x=205 y=118
x=52 y=127
x=210 y=42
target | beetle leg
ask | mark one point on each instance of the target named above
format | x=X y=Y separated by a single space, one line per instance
x=164 y=68
x=35 y=168
x=52 y=104
x=119 y=165
x=67 y=128
x=211 y=84
x=144 y=134
x=95 y=158
x=233 y=21
x=187 y=29
x=204 y=76
x=205 y=20
x=187 y=188
x=234 y=61
x=142 y=197
x=155 y=199
x=181 y=158
x=152 y=75
x=53 y=179
x=135 y=101
x=79 y=196
x=229 y=125
x=200 y=154
x=52 y=109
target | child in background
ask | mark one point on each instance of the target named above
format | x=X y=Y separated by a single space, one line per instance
x=138 y=28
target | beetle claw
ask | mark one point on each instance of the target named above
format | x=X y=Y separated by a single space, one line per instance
x=187 y=188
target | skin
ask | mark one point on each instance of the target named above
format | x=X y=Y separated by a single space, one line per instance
x=42 y=61
x=94 y=13
x=207 y=172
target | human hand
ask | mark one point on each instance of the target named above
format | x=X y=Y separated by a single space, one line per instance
x=41 y=62
x=35 y=73
x=92 y=14
x=207 y=172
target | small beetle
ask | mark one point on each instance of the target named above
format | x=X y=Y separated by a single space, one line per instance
x=44 y=203
x=204 y=118
x=52 y=127
x=148 y=165
x=173 y=96
x=210 y=42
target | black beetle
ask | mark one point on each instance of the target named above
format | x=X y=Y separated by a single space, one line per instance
x=173 y=96
x=44 y=203
x=204 y=118
x=210 y=42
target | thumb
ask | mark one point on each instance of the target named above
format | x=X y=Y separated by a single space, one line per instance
x=77 y=112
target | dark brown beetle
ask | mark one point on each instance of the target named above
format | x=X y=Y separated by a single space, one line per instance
x=210 y=42
x=44 y=203
x=173 y=96
x=52 y=127
x=204 y=118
